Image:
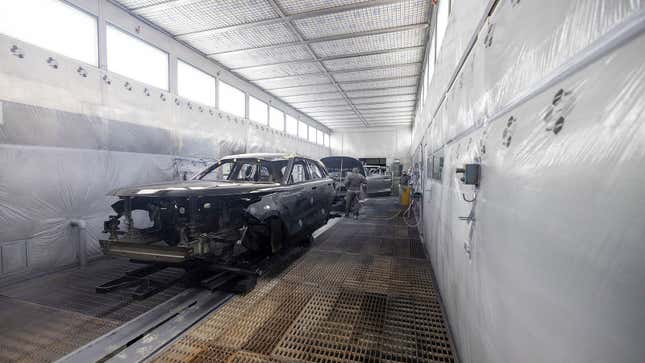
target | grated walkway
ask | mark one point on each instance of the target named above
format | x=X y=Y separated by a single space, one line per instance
x=364 y=292
x=46 y=317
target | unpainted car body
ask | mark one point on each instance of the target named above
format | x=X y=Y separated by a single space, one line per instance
x=338 y=168
x=258 y=201
x=379 y=179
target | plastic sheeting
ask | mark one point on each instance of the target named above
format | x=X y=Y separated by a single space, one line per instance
x=67 y=137
x=549 y=268
x=520 y=44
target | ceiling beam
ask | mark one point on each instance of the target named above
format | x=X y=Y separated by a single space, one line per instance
x=290 y=98
x=331 y=38
x=322 y=59
x=396 y=95
x=393 y=104
x=377 y=80
x=340 y=127
x=373 y=118
x=282 y=17
x=353 y=98
x=347 y=91
x=346 y=82
x=360 y=106
x=340 y=72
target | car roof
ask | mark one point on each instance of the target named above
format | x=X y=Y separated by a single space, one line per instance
x=264 y=156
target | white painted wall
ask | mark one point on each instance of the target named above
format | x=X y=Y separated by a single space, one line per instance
x=391 y=143
x=551 y=103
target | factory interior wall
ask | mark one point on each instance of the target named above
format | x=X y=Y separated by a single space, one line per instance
x=69 y=135
x=392 y=143
x=550 y=101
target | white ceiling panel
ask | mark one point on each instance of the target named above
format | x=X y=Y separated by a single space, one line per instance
x=255 y=57
x=329 y=112
x=360 y=20
x=386 y=104
x=388 y=111
x=179 y=17
x=309 y=79
x=133 y=4
x=304 y=90
x=375 y=60
x=278 y=70
x=395 y=82
x=367 y=43
x=302 y=105
x=382 y=92
x=302 y=6
x=313 y=97
x=389 y=117
x=389 y=72
x=358 y=101
x=328 y=109
x=244 y=38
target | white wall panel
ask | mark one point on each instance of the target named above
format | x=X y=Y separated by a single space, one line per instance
x=391 y=143
x=549 y=270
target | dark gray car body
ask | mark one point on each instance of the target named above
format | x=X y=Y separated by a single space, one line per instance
x=198 y=214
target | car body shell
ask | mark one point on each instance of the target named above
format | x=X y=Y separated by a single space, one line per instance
x=208 y=207
x=339 y=166
x=379 y=179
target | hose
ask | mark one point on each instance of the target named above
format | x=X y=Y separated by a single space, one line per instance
x=403 y=213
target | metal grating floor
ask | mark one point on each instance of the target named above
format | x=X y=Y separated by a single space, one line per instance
x=35 y=333
x=364 y=292
x=46 y=317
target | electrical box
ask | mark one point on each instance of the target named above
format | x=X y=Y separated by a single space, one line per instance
x=471 y=174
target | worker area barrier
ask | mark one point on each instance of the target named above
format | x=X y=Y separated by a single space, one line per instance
x=549 y=103
x=69 y=134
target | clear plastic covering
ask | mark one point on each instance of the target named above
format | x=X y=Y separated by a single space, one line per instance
x=70 y=134
x=542 y=262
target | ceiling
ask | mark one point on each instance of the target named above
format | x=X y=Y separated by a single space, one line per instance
x=344 y=63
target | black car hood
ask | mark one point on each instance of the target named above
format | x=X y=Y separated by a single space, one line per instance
x=194 y=188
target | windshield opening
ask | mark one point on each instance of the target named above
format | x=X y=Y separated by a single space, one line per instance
x=245 y=170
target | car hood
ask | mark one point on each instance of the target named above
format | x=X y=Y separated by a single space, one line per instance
x=194 y=188
x=337 y=164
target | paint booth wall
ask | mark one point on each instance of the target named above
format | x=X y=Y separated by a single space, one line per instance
x=69 y=137
x=391 y=143
x=546 y=264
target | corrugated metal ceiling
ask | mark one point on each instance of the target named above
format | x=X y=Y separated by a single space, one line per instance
x=342 y=62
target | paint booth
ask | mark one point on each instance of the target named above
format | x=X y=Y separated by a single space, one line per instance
x=517 y=126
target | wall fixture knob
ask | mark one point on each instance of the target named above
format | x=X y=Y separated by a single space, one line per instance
x=17 y=51
x=52 y=62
